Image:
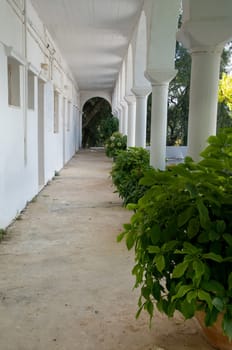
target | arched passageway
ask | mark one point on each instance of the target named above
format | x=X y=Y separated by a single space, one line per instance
x=98 y=123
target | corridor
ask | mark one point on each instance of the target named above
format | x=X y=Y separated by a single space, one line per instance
x=66 y=283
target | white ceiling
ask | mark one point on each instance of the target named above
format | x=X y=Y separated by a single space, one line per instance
x=93 y=36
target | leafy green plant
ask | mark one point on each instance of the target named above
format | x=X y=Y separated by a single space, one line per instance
x=127 y=170
x=115 y=143
x=182 y=235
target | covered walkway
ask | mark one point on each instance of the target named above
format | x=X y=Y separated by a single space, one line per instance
x=65 y=282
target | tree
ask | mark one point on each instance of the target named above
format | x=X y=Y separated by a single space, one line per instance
x=224 y=112
x=179 y=88
x=98 y=123
x=178 y=100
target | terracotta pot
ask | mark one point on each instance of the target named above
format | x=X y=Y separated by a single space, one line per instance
x=214 y=335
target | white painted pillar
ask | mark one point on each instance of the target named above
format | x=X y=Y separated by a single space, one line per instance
x=141 y=95
x=203 y=99
x=120 y=118
x=116 y=114
x=160 y=83
x=131 y=102
x=125 y=118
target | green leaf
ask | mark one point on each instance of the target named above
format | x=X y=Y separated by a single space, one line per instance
x=221 y=226
x=156 y=291
x=160 y=305
x=199 y=269
x=127 y=227
x=138 y=272
x=191 y=296
x=204 y=296
x=185 y=216
x=213 y=286
x=139 y=312
x=193 y=227
x=192 y=190
x=214 y=236
x=213 y=256
x=131 y=206
x=153 y=249
x=204 y=214
x=145 y=291
x=130 y=240
x=227 y=325
x=230 y=280
x=121 y=236
x=180 y=269
x=148 y=305
x=160 y=262
x=228 y=238
x=191 y=249
x=211 y=317
x=218 y=303
x=188 y=309
x=149 y=178
x=155 y=234
x=203 y=237
x=169 y=246
x=182 y=291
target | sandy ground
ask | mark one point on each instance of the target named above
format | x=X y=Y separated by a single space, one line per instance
x=65 y=284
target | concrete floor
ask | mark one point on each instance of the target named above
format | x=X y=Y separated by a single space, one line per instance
x=65 y=284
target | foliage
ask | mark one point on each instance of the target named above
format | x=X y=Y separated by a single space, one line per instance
x=178 y=100
x=98 y=122
x=181 y=232
x=128 y=169
x=115 y=143
x=225 y=90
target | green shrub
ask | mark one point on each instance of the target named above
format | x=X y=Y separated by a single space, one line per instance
x=182 y=235
x=116 y=142
x=127 y=170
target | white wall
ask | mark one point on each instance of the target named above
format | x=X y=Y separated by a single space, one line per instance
x=19 y=181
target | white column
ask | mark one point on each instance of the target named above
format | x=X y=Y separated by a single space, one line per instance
x=203 y=99
x=131 y=120
x=141 y=95
x=125 y=118
x=119 y=113
x=160 y=83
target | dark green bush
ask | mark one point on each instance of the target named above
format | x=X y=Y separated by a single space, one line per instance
x=127 y=170
x=182 y=235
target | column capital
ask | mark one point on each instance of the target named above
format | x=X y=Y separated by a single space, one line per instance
x=159 y=76
x=130 y=99
x=202 y=50
x=141 y=91
x=208 y=35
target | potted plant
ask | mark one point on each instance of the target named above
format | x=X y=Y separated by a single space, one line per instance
x=182 y=235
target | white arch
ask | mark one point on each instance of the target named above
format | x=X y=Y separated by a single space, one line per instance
x=139 y=49
x=87 y=95
x=161 y=34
